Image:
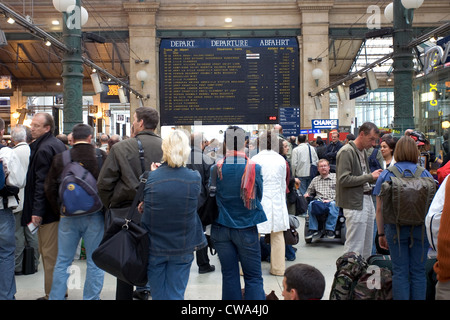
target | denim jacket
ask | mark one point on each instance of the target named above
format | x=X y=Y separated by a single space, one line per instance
x=170 y=211
x=232 y=212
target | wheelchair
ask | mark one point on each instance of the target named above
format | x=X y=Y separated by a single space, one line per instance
x=339 y=231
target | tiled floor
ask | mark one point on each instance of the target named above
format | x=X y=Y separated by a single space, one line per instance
x=321 y=254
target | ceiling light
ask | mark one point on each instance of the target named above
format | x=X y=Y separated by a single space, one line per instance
x=228 y=20
x=48 y=43
x=55 y=22
x=10 y=20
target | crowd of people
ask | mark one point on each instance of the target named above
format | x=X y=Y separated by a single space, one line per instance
x=256 y=180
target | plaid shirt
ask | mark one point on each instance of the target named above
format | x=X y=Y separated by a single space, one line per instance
x=323 y=188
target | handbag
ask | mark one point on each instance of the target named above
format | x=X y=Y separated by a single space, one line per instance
x=313 y=167
x=124 y=249
x=209 y=211
x=291 y=236
x=301 y=204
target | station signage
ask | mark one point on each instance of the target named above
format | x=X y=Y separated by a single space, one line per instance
x=325 y=124
x=358 y=88
x=437 y=55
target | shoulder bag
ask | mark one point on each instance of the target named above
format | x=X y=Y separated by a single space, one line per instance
x=312 y=168
x=124 y=249
x=209 y=211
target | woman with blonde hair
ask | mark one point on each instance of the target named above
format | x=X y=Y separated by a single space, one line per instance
x=171 y=219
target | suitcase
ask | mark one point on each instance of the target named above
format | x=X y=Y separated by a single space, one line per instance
x=381 y=260
x=28 y=263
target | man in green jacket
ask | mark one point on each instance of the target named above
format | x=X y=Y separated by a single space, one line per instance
x=119 y=177
x=354 y=190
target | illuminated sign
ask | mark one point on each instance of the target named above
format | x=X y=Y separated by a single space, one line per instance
x=227 y=81
x=325 y=123
x=436 y=55
x=5 y=82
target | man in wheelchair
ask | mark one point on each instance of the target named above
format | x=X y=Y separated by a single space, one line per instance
x=322 y=191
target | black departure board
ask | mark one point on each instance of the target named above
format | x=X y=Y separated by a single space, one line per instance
x=227 y=81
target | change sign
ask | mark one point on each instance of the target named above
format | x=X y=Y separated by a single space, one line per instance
x=325 y=123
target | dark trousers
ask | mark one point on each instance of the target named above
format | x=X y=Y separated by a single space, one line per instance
x=124 y=291
x=202 y=258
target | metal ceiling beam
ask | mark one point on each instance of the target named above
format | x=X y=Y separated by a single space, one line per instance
x=27 y=54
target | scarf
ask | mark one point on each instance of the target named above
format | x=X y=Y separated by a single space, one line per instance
x=248 y=194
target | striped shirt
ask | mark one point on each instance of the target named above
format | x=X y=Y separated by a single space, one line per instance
x=324 y=188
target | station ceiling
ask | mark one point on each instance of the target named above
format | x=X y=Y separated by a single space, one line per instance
x=38 y=68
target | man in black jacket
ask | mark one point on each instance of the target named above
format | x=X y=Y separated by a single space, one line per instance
x=36 y=207
x=90 y=227
x=332 y=150
x=202 y=163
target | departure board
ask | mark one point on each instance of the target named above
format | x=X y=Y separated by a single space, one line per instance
x=227 y=81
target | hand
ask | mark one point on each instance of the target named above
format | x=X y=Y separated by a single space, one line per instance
x=376 y=174
x=154 y=166
x=297 y=183
x=383 y=242
x=36 y=220
x=141 y=207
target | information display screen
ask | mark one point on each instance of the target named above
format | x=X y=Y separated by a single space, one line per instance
x=227 y=81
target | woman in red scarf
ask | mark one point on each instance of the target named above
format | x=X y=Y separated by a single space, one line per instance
x=234 y=233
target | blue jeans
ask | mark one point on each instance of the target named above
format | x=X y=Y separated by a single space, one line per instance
x=168 y=276
x=408 y=263
x=330 y=223
x=71 y=229
x=304 y=184
x=7 y=253
x=234 y=246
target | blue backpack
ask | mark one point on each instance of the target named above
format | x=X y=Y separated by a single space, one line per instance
x=78 y=189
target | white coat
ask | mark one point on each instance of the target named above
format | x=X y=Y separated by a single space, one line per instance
x=273 y=167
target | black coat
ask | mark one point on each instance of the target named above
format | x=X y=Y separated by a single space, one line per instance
x=35 y=203
x=202 y=163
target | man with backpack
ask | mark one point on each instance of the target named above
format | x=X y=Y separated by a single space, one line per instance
x=76 y=221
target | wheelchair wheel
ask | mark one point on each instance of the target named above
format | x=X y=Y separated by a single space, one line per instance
x=343 y=233
x=306 y=229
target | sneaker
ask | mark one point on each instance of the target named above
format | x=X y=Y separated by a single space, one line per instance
x=329 y=234
x=211 y=268
x=141 y=295
x=311 y=233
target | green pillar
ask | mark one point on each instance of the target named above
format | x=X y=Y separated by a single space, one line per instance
x=403 y=69
x=72 y=70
